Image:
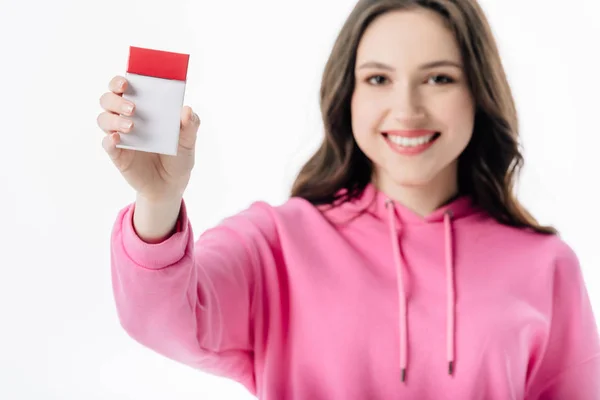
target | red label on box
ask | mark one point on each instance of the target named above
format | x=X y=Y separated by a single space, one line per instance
x=158 y=63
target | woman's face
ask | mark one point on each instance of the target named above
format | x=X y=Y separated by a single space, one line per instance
x=412 y=110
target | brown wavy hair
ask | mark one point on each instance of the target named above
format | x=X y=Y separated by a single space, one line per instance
x=489 y=166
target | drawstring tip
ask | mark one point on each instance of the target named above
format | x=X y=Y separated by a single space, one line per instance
x=403 y=374
x=451 y=368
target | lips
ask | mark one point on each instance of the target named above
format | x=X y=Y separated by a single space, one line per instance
x=410 y=133
x=410 y=142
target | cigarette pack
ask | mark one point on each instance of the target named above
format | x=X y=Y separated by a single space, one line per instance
x=156 y=85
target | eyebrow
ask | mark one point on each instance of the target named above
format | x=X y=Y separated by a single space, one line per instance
x=429 y=65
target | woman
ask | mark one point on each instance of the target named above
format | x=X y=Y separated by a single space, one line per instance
x=401 y=267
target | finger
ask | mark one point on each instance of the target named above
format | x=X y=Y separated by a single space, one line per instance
x=112 y=102
x=110 y=123
x=109 y=143
x=189 y=128
x=189 y=119
x=118 y=85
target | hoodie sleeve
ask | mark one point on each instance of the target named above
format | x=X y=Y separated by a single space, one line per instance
x=194 y=302
x=570 y=367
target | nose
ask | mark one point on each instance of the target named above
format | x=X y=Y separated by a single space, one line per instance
x=406 y=104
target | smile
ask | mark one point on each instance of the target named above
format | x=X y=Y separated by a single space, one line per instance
x=410 y=142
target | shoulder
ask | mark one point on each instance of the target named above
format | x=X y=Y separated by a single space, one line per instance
x=551 y=245
x=269 y=219
x=294 y=210
x=543 y=249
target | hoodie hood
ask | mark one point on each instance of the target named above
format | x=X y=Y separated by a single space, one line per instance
x=397 y=216
x=375 y=202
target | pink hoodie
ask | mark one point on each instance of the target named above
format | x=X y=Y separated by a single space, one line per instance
x=364 y=301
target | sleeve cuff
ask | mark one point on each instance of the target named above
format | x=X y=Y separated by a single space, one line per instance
x=156 y=255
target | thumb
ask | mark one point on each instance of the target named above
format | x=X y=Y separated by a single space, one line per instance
x=190 y=122
x=109 y=143
x=189 y=119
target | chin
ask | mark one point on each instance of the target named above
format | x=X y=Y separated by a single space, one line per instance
x=412 y=182
x=407 y=180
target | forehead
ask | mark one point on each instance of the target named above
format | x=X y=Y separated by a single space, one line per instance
x=407 y=37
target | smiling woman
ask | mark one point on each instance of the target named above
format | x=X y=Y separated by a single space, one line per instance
x=422 y=109
x=402 y=266
x=435 y=69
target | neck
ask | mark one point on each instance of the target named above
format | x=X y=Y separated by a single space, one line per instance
x=421 y=199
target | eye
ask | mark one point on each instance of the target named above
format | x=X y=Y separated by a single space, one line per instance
x=377 y=80
x=441 y=79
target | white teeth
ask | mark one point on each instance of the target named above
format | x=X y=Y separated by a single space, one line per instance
x=410 y=142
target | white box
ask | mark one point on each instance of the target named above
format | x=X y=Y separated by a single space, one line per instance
x=156 y=85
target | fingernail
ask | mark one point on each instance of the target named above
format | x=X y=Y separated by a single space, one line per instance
x=125 y=124
x=127 y=109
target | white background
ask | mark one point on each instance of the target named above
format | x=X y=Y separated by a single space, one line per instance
x=254 y=77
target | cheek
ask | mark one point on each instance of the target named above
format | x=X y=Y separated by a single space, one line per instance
x=365 y=116
x=457 y=114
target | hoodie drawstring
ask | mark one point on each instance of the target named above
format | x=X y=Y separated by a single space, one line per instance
x=401 y=294
x=450 y=291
